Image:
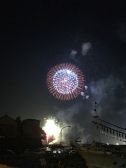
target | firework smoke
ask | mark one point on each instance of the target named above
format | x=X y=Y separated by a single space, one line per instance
x=76 y=117
x=85 y=48
x=110 y=97
x=74 y=54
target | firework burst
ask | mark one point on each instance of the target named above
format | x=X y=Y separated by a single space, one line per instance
x=65 y=81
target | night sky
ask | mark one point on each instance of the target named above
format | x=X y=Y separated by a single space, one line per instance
x=36 y=36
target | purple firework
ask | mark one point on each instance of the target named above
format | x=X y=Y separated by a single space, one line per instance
x=65 y=81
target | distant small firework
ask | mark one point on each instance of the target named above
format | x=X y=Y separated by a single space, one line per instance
x=65 y=81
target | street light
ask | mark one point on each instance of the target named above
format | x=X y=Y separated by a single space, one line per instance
x=62 y=130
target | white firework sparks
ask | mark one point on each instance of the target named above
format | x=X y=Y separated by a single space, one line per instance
x=52 y=130
x=65 y=81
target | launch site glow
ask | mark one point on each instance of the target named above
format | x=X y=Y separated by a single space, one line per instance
x=51 y=128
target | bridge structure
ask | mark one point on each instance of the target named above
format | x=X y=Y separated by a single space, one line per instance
x=108 y=133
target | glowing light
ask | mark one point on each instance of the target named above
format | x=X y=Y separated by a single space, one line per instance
x=117 y=143
x=65 y=81
x=52 y=130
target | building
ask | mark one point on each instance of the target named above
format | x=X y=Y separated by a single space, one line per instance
x=8 y=127
x=109 y=133
x=15 y=133
x=31 y=128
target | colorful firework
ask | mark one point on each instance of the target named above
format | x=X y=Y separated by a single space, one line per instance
x=65 y=81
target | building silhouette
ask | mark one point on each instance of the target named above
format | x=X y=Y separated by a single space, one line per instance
x=109 y=133
x=15 y=133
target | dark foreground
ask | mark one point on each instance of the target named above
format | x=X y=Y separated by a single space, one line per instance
x=54 y=158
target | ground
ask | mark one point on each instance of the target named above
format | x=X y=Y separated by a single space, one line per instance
x=56 y=158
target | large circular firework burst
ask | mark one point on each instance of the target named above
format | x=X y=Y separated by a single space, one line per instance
x=65 y=81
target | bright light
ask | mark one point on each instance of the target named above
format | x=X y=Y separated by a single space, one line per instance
x=117 y=143
x=65 y=81
x=52 y=130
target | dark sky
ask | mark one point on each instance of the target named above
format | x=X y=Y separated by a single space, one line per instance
x=36 y=35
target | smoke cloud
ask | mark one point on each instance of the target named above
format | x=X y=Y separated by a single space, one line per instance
x=85 y=48
x=110 y=95
x=74 y=54
x=78 y=117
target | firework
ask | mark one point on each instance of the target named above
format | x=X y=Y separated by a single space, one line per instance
x=65 y=81
x=52 y=130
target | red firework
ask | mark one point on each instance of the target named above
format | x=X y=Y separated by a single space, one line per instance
x=65 y=81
